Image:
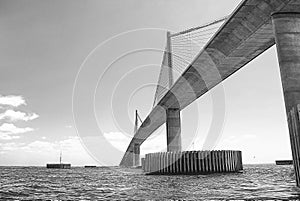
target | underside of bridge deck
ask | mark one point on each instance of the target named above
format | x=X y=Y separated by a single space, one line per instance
x=246 y=34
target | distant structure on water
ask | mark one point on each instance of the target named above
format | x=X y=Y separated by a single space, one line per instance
x=90 y=166
x=59 y=165
x=284 y=162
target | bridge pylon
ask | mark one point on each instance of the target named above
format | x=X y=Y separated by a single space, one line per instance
x=173 y=124
x=136 y=147
x=287 y=36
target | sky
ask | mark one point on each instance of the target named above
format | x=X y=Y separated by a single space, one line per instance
x=74 y=72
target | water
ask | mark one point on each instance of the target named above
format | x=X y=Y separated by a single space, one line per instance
x=39 y=183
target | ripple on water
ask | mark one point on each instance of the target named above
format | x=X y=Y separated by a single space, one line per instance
x=256 y=182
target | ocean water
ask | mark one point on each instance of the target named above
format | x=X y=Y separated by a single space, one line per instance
x=114 y=183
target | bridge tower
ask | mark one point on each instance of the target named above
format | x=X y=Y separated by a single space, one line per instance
x=173 y=120
x=136 y=147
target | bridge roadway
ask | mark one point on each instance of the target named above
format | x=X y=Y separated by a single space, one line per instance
x=246 y=34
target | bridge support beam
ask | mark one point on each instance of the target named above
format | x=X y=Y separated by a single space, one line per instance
x=136 y=155
x=173 y=124
x=287 y=36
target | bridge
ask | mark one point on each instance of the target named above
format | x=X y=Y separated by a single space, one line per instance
x=252 y=28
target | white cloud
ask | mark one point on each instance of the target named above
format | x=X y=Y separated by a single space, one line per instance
x=40 y=152
x=40 y=146
x=8 y=131
x=70 y=145
x=17 y=115
x=6 y=136
x=69 y=126
x=11 y=128
x=11 y=146
x=12 y=100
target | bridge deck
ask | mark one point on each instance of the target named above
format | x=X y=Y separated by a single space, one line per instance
x=246 y=34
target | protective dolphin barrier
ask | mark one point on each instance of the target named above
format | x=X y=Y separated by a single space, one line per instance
x=193 y=162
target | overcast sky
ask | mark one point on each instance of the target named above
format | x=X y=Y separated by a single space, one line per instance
x=50 y=49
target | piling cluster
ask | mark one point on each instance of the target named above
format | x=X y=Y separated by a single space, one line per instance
x=192 y=162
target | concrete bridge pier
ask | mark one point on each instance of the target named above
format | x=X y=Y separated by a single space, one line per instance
x=287 y=36
x=136 y=155
x=173 y=125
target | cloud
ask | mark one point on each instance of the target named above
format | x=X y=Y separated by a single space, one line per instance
x=8 y=131
x=12 y=100
x=69 y=126
x=6 y=136
x=11 y=146
x=40 y=152
x=17 y=115
x=71 y=145
x=68 y=146
x=40 y=146
x=11 y=128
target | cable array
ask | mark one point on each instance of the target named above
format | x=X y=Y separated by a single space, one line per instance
x=163 y=80
x=184 y=47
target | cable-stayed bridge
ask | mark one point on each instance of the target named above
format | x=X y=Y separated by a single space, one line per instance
x=204 y=56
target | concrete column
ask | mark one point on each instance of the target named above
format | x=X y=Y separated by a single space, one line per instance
x=165 y=162
x=287 y=36
x=173 y=124
x=143 y=164
x=149 y=163
x=171 y=162
x=202 y=161
x=155 y=162
x=213 y=161
x=174 y=162
x=223 y=161
x=146 y=163
x=183 y=161
x=180 y=162
x=178 y=155
x=136 y=155
x=217 y=161
x=227 y=161
x=205 y=161
x=241 y=159
x=192 y=161
x=169 y=59
x=200 y=169
x=231 y=161
x=195 y=159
